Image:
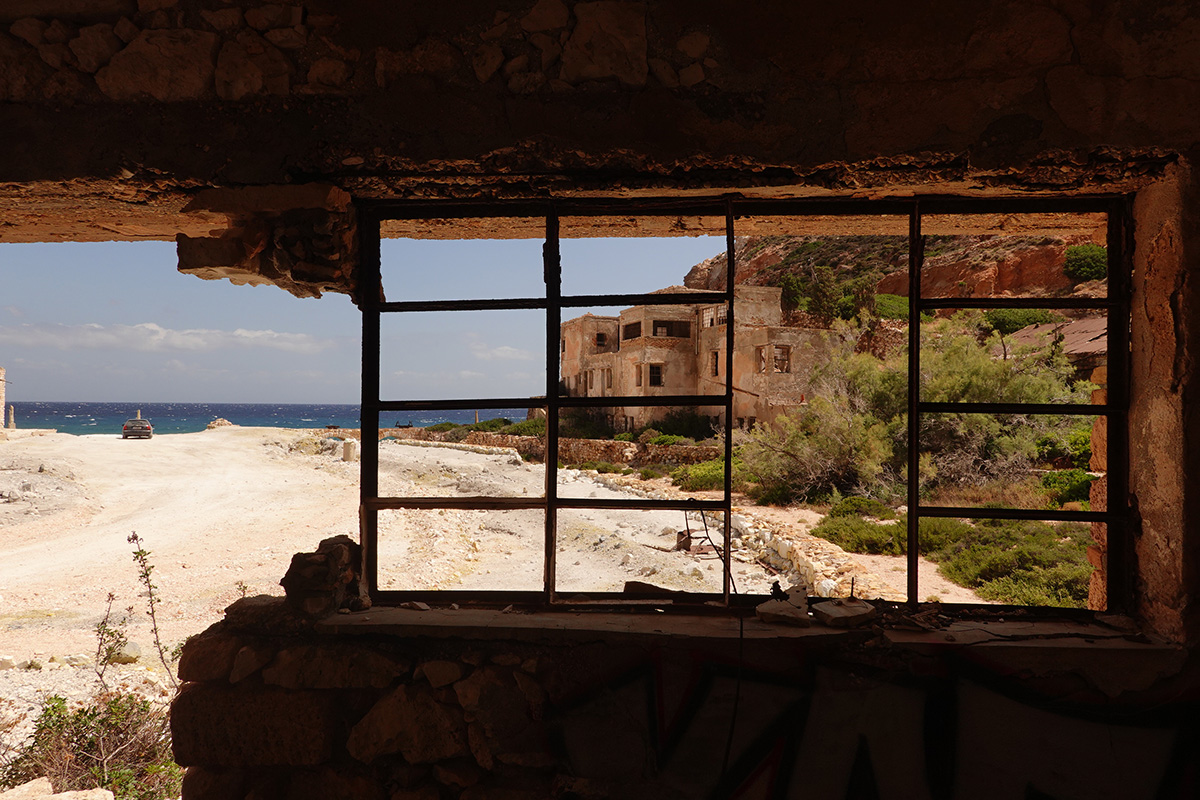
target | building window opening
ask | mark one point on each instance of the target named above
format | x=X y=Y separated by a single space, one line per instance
x=601 y=339
x=673 y=328
x=783 y=359
x=939 y=421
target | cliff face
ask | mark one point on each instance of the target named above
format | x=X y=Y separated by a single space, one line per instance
x=955 y=266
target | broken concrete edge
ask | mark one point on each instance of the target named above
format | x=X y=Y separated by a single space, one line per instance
x=303 y=239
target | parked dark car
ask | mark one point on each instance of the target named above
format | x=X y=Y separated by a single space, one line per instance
x=137 y=429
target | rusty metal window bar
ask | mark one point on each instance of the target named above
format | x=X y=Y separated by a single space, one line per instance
x=1114 y=410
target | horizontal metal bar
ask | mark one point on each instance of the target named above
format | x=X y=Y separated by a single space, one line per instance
x=1016 y=302
x=461 y=503
x=461 y=404
x=660 y=299
x=513 y=304
x=643 y=401
x=1065 y=409
x=1017 y=513
x=613 y=504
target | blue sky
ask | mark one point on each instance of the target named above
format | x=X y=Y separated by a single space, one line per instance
x=115 y=321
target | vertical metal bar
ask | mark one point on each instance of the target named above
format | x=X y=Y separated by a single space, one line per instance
x=1119 y=534
x=916 y=255
x=370 y=288
x=552 y=273
x=730 y=276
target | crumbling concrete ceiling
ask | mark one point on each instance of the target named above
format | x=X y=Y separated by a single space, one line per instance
x=116 y=112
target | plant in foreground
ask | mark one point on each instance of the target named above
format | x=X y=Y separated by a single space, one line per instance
x=110 y=638
x=141 y=557
x=117 y=741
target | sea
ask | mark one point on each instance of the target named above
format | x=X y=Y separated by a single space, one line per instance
x=107 y=418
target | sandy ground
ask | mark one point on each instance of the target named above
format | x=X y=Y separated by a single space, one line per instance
x=222 y=512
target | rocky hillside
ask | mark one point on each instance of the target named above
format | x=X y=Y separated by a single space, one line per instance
x=955 y=266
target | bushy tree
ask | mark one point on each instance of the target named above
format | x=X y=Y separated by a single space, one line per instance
x=1086 y=262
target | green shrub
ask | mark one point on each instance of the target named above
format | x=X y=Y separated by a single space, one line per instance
x=442 y=427
x=649 y=473
x=1006 y=321
x=648 y=435
x=120 y=742
x=491 y=425
x=457 y=433
x=935 y=534
x=603 y=467
x=1086 y=262
x=528 y=427
x=1067 y=486
x=670 y=439
x=1022 y=562
x=583 y=423
x=705 y=476
x=861 y=507
x=857 y=535
x=624 y=437
x=686 y=422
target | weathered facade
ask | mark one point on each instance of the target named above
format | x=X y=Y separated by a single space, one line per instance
x=680 y=350
x=247 y=130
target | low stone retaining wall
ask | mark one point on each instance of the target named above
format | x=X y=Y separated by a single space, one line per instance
x=578 y=451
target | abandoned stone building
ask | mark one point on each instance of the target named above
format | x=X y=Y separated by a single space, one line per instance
x=658 y=350
x=278 y=142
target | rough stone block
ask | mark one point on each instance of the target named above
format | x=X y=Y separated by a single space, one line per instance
x=166 y=65
x=200 y=783
x=609 y=41
x=249 y=660
x=95 y=46
x=410 y=722
x=208 y=656
x=441 y=673
x=29 y=30
x=224 y=19
x=693 y=45
x=222 y=726
x=341 y=783
x=327 y=667
x=546 y=15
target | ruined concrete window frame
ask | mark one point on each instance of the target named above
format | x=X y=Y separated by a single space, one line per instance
x=783 y=359
x=708 y=317
x=637 y=374
x=715 y=363
x=608 y=378
x=601 y=339
x=760 y=360
x=1115 y=410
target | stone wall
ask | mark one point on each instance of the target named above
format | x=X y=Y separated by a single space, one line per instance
x=483 y=704
x=579 y=451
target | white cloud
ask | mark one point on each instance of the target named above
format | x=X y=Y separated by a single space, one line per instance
x=15 y=311
x=483 y=352
x=149 y=337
